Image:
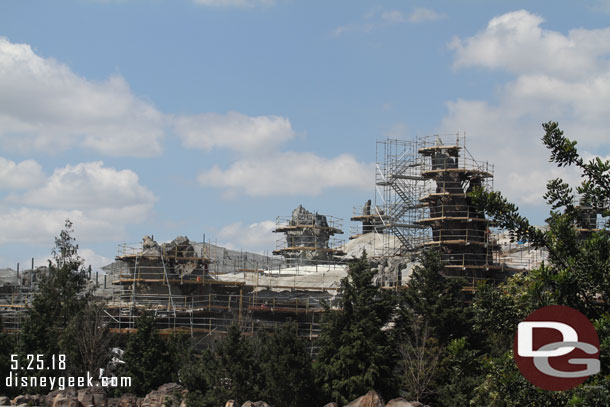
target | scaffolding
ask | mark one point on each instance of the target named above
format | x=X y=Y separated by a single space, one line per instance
x=422 y=200
x=175 y=283
x=399 y=183
x=309 y=238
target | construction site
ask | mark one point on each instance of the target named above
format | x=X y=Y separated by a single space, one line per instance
x=200 y=289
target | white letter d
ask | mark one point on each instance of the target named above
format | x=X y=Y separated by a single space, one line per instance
x=525 y=340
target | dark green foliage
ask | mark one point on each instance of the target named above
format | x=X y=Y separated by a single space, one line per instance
x=61 y=295
x=198 y=376
x=435 y=301
x=7 y=347
x=237 y=374
x=287 y=369
x=356 y=352
x=576 y=274
x=86 y=340
x=459 y=374
x=148 y=358
x=504 y=386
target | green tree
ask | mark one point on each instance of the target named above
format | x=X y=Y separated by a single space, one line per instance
x=460 y=373
x=62 y=294
x=356 y=351
x=198 y=376
x=287 y=369
x=87 y=340
x=435 y=301
x=577 y=274
x=237 y=374
x=148 y=358
x=7 y=347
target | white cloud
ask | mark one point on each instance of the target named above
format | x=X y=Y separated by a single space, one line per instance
x=233 y=130
x=289 y=173
x=565 y=78
x=26 y=174
x=100 y=201
x=45 y=106
x=90 y=186
x=40 y=226
x=515 y=42
x=256 y=237
x=235 y=3
x=379 y=18
x=97 y=261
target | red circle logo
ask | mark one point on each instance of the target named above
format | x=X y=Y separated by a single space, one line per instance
x=556 y=348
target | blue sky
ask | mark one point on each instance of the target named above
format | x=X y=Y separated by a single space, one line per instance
x=187 y=117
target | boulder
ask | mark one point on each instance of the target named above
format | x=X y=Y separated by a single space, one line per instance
x=93 y=396
x=128 y=400
x=255 y=404
x=370 y=399
x=400 y=402
x=5 y=401
x=231 y=403
x=63 y=398
x=169 y=394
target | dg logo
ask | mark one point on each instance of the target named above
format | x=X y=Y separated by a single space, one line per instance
x=556 y=348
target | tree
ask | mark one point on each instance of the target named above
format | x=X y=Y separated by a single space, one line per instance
x=198 y=376
x=578 y=271
x=7 y=347
x=577 y=274
x=287 y=369
x=237 y=375
x=148 y=358
x=419 y=362
x=356 y=350
x=434 y=301
x=62 y=294
x=87 y=339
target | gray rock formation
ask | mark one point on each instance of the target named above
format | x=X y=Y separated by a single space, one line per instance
x=400 y=402
x=370 y=399
x=170 y=394
x=93 y=396
x=307 y=236
x=150 y=247
x=62 y=398
x=255 y=404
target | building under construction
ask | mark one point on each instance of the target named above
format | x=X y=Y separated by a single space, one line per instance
x=308 y=237
x=177 y=282
x=422 y=200
x=201 y=289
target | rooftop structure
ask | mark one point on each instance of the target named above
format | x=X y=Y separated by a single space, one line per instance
x=308 y=236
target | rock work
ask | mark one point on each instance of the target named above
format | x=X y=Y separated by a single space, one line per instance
x=167 y=395
x=307 y=236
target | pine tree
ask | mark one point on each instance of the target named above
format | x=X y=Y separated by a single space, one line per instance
x=287 y=369
x=148 y=359
x=62 y=293
x=434 y=301
x=356 y=352
x=238 y=375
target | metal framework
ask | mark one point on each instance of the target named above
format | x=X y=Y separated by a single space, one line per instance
x=201 y=303
x=309 y=239
x=422 y=201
